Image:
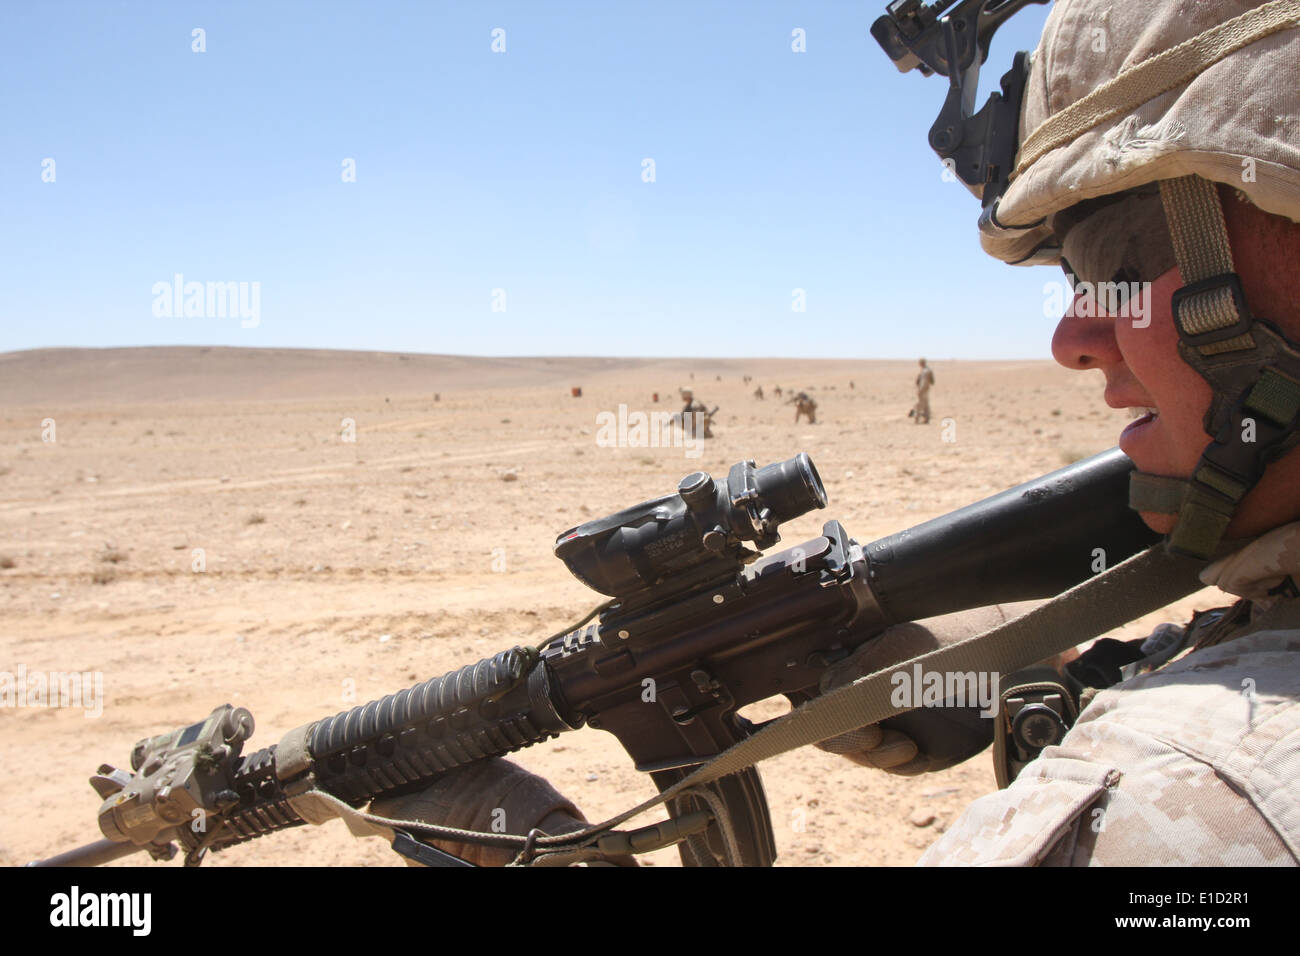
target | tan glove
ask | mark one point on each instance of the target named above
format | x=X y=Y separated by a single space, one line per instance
x=487 y=792
x=884 y=746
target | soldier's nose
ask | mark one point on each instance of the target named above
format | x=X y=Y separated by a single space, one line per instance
x=1085 y=342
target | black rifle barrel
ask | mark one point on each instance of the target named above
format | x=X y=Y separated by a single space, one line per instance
x=1032 y=541
x=92 y=854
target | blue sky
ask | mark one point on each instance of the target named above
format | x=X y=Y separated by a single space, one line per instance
x=476 y=171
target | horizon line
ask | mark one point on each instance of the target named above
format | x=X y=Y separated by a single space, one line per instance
x=476 y=355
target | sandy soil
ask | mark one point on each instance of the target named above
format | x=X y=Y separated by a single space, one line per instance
x=371 y=562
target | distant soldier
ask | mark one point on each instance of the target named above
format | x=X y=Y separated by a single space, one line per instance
x=777 y=391
x=924 y=381
x=697 y=418
x=803 y=405
x=758 y=393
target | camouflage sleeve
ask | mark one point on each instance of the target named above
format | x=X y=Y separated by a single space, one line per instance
x=1194 y=764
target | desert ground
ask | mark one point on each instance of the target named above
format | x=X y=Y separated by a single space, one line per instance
x=425 y=544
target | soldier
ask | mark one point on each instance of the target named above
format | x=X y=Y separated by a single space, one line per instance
x=1165 y=182
x=1169 y=186
x=696 y=418
x=777 y=391
x=758 y=393
x=924 y=380
x=803 y=405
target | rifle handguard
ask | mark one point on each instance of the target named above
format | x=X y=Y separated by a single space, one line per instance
x=486 y=709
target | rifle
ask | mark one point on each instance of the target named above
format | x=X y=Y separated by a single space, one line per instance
x=697 y=626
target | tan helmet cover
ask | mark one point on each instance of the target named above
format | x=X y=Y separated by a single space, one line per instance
x=1154 y=110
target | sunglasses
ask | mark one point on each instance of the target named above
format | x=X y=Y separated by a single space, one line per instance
x=1122 y=240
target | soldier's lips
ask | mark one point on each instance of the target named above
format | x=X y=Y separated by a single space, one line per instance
x=1130 y=439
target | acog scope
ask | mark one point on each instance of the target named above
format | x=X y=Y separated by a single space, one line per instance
x=700 y=531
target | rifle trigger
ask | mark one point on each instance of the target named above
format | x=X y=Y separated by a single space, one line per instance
x=655 y=837
x=828 y=657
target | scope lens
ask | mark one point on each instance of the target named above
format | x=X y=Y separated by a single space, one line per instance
x=791 y=488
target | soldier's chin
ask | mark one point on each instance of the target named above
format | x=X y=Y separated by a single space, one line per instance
x=1157 y=522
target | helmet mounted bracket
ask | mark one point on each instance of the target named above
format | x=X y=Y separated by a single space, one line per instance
x=952 y=39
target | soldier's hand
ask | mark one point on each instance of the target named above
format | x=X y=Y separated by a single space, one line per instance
x=926 y=739
x=493 y=796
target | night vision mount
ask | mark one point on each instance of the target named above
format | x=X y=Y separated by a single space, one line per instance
x=952 y=39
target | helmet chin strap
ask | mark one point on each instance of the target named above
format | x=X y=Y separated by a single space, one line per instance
x=1253 y=369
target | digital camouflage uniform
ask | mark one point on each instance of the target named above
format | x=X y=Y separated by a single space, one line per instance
x=1196 y=763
